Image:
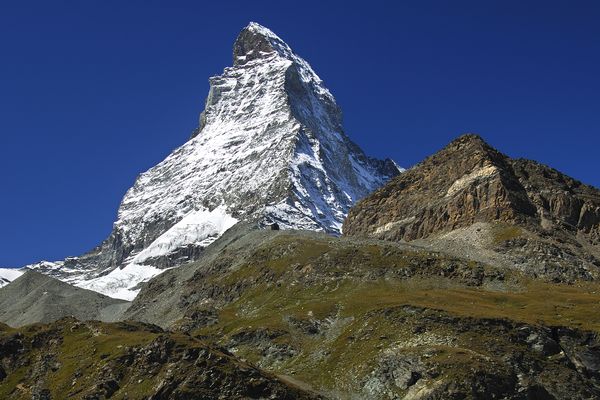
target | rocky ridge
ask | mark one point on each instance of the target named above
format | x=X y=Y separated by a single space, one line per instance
x=534 y=218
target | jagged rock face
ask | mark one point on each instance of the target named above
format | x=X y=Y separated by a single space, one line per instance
x=466 y=182
x=270 y=147
x=270 y=144
x=469 y=182
x=560 y=201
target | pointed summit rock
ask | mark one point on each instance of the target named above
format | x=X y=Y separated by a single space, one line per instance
x=255 y=41
x=270 y=147
x=548 y=223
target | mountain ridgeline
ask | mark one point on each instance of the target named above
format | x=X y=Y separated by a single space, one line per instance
x=269 y=258
x=270 y=147
x=551 y=221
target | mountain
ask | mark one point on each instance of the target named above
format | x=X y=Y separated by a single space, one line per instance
x=470 y=276
x=7 y=275
x=34 y=297
x=69 y=359
x=478 y=201
x=270 y=147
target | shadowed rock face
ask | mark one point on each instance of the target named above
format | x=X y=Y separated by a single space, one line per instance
x=560 y=201
x=469 y=182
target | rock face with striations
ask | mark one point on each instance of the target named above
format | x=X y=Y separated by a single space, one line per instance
x=544 y=215
x=270 y=146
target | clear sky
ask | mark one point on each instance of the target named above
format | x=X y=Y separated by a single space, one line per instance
x=94 y=92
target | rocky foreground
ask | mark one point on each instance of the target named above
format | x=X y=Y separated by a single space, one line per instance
x=70 y=359
x=370 y=319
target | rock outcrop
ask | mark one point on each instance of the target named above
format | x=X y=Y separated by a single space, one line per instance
x=555 y=218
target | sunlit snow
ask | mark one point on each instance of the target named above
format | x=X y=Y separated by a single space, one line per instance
x=198 y=227
x=8 y=275
x=122 y=283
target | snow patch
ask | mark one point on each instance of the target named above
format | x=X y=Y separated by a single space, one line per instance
x=7 y=275
x=122 y=283
x=198 y=227
x=391 y=225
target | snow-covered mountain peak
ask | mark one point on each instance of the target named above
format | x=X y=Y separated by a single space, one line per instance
x=270 y=146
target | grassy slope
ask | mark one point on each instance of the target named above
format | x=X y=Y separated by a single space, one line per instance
x=353 y=315
x=72 y=359
x=79 y=347
x=325 y=312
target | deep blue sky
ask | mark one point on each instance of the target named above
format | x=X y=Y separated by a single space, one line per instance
x=94 y=92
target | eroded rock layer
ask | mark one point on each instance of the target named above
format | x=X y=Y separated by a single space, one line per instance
x=534 y=212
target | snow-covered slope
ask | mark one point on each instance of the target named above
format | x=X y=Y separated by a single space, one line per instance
x=7 y=275
x=270 y=147
x=270 y=142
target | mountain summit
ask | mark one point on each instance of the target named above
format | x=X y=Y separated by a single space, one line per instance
x=255 y=41
x=269 y=147
x=512 y=212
